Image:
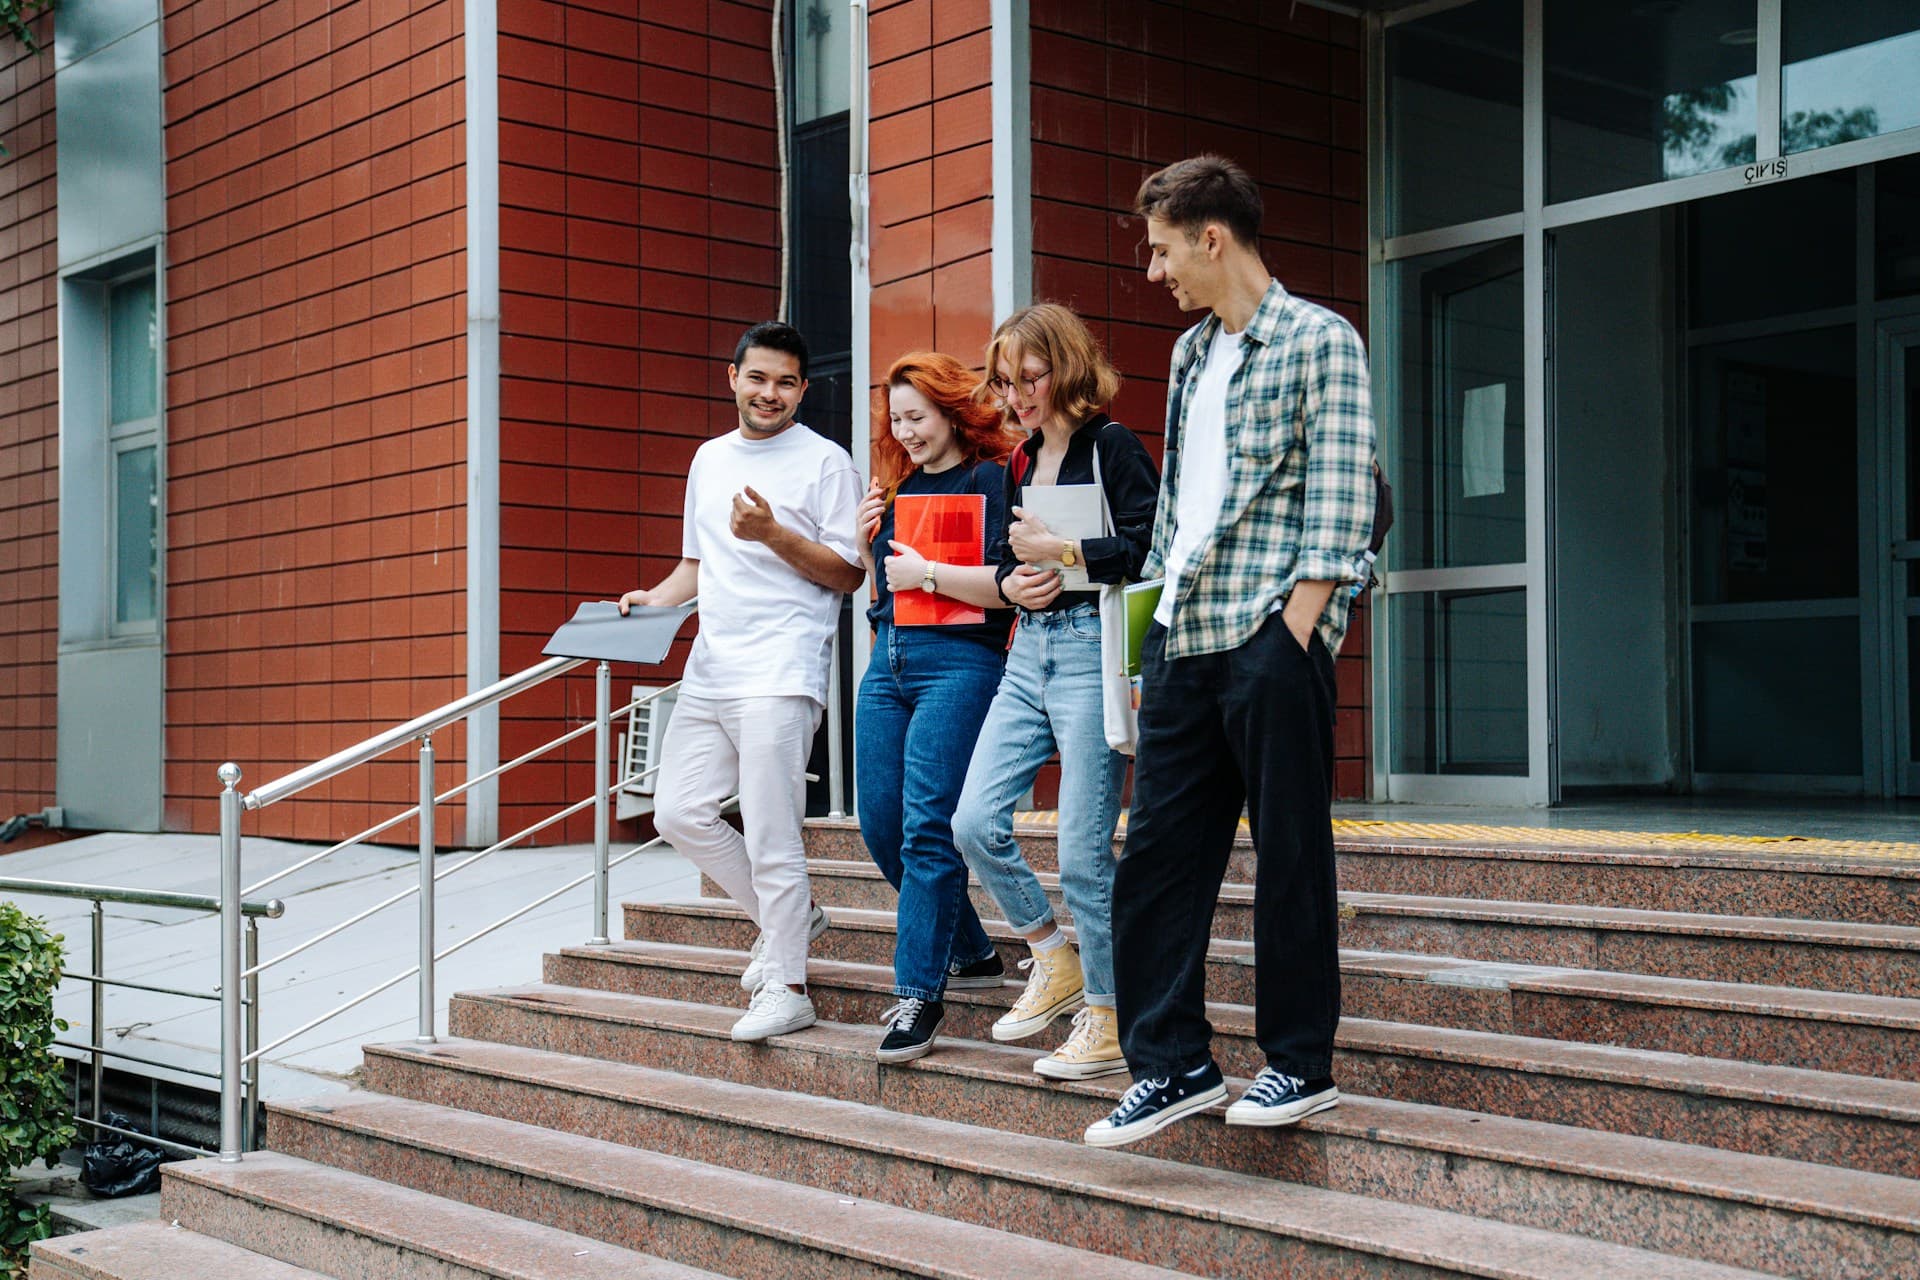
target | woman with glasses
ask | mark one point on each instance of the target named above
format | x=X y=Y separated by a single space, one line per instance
x=1050 y=377
x=927 y=687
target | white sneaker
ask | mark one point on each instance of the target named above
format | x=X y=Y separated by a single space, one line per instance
x=775 y=1010
x=757 y=957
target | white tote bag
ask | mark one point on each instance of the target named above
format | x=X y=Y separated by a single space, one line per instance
x=1122 y=715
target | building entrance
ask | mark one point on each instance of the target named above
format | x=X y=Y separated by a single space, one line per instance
x=1736 y=558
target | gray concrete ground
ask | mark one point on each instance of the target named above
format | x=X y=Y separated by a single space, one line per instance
x=180 y=949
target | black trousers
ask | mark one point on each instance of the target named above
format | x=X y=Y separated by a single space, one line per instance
x=1252 y=725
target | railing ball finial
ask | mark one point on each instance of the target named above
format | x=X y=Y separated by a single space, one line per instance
x=230 y=774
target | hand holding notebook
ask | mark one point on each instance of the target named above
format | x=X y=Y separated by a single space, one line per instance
x=945 y=528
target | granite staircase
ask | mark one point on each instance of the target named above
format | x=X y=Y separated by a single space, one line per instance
x=1627 y=1063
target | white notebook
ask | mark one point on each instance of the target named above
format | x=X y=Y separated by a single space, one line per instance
x=1071 y=511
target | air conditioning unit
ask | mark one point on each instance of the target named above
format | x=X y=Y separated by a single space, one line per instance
x=641 y=751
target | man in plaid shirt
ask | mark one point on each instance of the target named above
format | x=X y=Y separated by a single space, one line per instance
x=1266 y=508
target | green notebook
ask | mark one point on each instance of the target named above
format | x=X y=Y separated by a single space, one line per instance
x=1142 y=599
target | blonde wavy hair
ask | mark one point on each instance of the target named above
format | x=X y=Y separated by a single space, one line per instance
x=1084 y=380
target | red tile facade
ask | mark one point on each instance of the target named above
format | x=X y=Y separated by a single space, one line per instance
x=29 y=427
x=315 y=395
x=931 y=149
x=1122 y=88
x=640 y=232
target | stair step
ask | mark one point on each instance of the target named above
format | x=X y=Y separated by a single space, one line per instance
x=342 y=1223
x=1106 y=1201
x=153 y=1251
x=1707 y=881
x=1869 y=959
x=1761 y=1211
x=1818 y=1116
x=1784 y=1026
x=1714 y=881
x=739 y=1223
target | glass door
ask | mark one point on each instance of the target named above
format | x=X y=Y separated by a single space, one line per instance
x=1455 y=631
x=1900 y=390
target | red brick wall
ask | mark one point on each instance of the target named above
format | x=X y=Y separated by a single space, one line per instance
x=29 y=427
x=1122 y=88
x=640 y=234
x=931 y=155
x=315 y=395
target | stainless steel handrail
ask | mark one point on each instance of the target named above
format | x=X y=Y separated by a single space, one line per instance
x=272 y=909
x=241 y=995
x=241 y=1061
x=380 y=743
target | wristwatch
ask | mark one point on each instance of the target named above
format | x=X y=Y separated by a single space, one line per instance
x=1067 y=554
x=927 y=584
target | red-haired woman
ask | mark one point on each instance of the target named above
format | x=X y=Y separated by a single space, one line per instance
x=927 y=688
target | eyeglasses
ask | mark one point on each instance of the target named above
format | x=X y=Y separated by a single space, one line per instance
x=1003 y=387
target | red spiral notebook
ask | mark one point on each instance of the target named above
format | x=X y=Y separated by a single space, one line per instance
x=946 y=528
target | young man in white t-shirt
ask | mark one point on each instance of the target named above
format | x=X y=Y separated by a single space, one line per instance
x=768 y=547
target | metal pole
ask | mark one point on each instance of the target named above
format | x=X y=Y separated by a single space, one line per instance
x=99 y=1001
x=426 y=889
x=230 y=1020
x=602 y=817
x=836 y=772
x=252 y=1118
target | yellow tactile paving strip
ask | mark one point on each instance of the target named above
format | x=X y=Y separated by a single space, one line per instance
x=1581 y=838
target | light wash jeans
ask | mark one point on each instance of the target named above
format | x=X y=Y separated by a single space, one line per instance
x=757 y=747
x=920 y=708
x=1049 y=699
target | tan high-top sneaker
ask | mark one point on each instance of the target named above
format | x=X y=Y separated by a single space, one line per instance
x=1092 y=1050
x=1054 y=986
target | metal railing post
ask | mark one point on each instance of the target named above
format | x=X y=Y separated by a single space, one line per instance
x=602 y=817
x=426 y=889
x=230 y=1021
x=836 y=771
x=99 y=1003
x=251 y=1121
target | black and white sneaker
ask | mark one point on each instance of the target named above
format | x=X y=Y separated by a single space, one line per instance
x=1276 y=1098
x=1154 y=1103
x=910 y=1027
x=982 y=975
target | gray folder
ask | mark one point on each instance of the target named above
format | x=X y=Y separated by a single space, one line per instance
x=597 y=630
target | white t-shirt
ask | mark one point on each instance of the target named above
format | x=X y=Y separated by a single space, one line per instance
x=1203 y=465
x=765 y=630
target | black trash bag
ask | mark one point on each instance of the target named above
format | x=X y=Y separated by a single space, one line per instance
x=116 y=1165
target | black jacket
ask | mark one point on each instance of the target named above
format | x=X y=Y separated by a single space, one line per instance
x=1132 y=486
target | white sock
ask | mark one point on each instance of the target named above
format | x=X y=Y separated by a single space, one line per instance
x=1051 y=942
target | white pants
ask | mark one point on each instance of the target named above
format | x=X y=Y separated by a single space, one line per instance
x=757 y=747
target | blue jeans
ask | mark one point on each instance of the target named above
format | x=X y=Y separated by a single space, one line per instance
x=1049 y=699
x=920 y=707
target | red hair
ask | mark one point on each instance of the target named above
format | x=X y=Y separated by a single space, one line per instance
x=949 y=386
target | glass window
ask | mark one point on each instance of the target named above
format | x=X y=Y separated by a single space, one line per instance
x=136 y=512
x=1775 y=461
x=1460 y=683
x=1848 y=71
x=1896 y=227
x=133 y=327
x=1811 y=223
x=1752 y=680
x=1453 y=116
x=1460 y=471
x=1639 y=93
x=822 y=49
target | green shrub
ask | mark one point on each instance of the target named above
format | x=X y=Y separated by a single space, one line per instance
x=34 y=1118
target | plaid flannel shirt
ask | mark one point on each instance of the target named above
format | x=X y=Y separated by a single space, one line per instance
x=1299 y=498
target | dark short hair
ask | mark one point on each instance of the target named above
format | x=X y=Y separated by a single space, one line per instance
x=1191 y=193
x=774 y=335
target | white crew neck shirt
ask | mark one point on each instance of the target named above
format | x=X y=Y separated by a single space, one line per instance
x=1202 y=458
x=765 y=629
